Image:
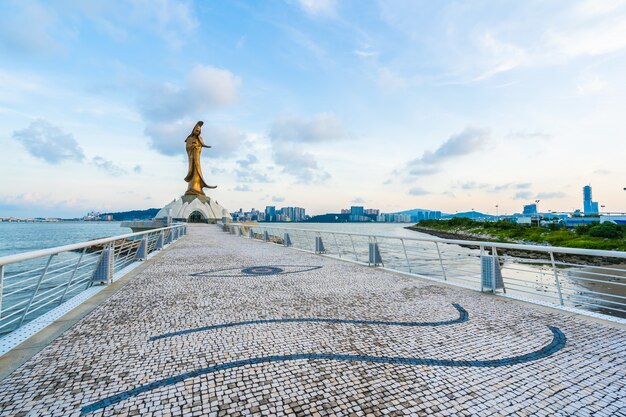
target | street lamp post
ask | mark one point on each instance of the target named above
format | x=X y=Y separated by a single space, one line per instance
x=497 y=214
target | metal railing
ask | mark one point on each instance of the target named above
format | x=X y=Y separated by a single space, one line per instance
x=592 y=280
x=33 y=283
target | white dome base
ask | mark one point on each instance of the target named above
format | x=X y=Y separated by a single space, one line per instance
x=194 y=209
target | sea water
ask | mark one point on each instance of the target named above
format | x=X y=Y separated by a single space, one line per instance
x=25 y=237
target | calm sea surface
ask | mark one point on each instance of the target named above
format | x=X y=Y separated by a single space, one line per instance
x=26 y=237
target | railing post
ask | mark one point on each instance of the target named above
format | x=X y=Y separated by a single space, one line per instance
x=408 y=264
x=443 y=271
x=319 y=245
x=1 y=286
x=266 y=236
x=69 y=282
x=142 y=250
x=287 y=240
x=482 y=253
x=250 y=233
x=556 y=278
x=104 y=270
x=374 y=254
x=30 y=302
x=161 y=240
x=168 y=237
x=490 y=275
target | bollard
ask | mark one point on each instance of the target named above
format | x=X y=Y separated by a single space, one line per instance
x=286 y=240
x=142 y=250
x=490 y=273
x=104 y=271
x=160 y=241
x=374 y=255
x=319 y=245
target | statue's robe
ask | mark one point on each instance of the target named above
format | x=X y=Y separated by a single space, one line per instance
x=194 y=173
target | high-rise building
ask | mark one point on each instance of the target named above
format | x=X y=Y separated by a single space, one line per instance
x=270 y=213
x=357 y=210
x=530 y=210
x=291 y=214
x=589 y=206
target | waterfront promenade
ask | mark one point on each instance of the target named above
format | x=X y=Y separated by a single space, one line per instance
x=222 y=325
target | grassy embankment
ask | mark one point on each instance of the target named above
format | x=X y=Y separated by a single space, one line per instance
x=606 y=236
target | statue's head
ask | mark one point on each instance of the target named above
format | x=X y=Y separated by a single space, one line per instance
x=197 y=128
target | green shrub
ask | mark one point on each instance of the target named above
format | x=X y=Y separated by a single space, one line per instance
x=606 y=230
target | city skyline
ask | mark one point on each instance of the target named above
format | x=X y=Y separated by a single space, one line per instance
x=394 y=105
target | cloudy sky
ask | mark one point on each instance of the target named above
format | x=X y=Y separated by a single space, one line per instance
x=447 y=105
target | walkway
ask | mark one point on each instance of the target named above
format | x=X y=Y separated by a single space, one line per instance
x=221 y=325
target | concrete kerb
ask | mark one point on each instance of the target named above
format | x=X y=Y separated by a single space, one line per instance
x=500 y=298
x=19 y=355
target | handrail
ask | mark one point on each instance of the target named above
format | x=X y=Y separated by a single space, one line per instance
x=19 y=257
x=476 y=263
x=536 y=248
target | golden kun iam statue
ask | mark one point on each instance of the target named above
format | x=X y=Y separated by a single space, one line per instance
x=194 y=145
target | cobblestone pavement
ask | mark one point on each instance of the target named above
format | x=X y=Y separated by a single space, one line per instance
x=222 y=325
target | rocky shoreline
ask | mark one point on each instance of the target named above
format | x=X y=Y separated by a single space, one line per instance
x=460 y=235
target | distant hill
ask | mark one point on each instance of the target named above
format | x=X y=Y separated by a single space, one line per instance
x=413 y=212
x=468 y=214
x=147 y=214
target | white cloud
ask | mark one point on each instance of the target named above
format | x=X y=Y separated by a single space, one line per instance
x=206 y=88
x=358 y=200
x=523 y=195
x=277 y=199
x=36 y=37
x=48 y=142
x=322 y=127
x=169 y=138
x=466 y=142
x=390 y=81
x=526 y=135
x=365 y=53
x=319 y=7
x=242 y=188
x=547 y=195
x=108 y=166
x=417 y=191
x=591 y=85
x=224 y=140
x=499 y=56
x=249 y=160
x=302 y=165
x=606 y=36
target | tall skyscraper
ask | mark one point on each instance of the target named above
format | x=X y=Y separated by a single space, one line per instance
x=589 y=206
x=587 y=199
x=270 y=213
